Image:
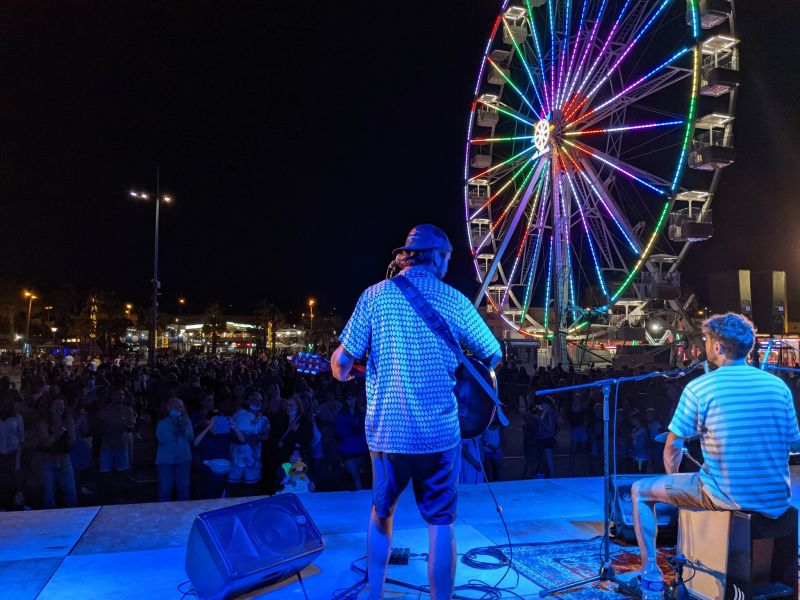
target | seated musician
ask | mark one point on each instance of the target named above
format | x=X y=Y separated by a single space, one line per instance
x=746 y=421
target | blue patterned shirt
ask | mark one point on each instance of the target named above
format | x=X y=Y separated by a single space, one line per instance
x=747 y=420
x=411 y=408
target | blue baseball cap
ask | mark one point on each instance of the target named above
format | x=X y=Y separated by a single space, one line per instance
x=425 y=237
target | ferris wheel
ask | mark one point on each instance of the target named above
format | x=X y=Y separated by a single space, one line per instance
x=577 y=199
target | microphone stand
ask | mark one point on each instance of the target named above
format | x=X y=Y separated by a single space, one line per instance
x=606 y=572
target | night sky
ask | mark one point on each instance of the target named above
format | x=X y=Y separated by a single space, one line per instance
x=301 y=141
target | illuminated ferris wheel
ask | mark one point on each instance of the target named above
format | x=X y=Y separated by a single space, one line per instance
x=577 y=199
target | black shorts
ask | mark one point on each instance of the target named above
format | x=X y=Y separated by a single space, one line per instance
x=434 y=477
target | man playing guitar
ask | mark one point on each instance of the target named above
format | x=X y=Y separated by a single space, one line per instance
x=746 y=421
x=412 y=421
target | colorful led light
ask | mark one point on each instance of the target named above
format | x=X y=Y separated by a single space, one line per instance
x=547 y=289
x=626 y=128
x=524 y=61
x=617 y=167
x=511 y=83
x=632 y=86
x=539 y=54
x=502 y=164
x=599 y=197
x=589 y=43
x=596 y=262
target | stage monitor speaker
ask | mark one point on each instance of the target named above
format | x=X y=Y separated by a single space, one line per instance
x=250 y=545
x=622 y=510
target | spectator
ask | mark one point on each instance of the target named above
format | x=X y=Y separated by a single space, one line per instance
x=579 y=435
x=12 y=435
x=114 y=421
x=352 y=448
x=213 y=443
x=548 y=427
x=246 y=456
x=56 y=433
x=174 y=457
x=530 y=442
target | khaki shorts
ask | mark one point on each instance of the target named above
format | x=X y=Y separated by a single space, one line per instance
x=686 y=490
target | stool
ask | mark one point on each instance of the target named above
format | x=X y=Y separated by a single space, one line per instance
x=739 y=555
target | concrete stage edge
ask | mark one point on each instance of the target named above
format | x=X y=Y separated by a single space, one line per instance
x=138 y=550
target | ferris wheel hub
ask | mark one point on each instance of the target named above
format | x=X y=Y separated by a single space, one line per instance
x=541 y=135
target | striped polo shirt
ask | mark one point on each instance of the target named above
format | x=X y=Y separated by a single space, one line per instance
x=747 y=422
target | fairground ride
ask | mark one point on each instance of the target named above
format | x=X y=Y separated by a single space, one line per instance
x=578 y=204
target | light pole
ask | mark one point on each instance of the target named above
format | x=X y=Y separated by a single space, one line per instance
x=156 y=285
x=311 y=303
x=31 y=297
x=181 y=302
x=54 y=329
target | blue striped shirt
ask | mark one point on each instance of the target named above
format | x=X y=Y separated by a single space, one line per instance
x=747 y=422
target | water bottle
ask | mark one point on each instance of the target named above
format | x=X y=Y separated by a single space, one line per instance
x=652 y=584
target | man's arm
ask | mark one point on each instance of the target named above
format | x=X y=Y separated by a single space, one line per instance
x=495 y=358
x=342 y=363
x=673 y=453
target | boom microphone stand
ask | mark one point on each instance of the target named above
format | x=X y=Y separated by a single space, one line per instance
x=606 y=572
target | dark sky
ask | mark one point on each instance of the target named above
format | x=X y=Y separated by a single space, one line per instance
x=301 y=141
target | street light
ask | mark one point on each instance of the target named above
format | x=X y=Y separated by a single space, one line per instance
x=128 y=309
x=311 y=303
x=156 y=283
x=54 y=329
x=31 y=297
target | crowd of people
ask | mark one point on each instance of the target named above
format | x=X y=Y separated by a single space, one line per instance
x=112 y=430
x=98 y=432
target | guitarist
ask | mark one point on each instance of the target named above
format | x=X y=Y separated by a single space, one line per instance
x=412 y=422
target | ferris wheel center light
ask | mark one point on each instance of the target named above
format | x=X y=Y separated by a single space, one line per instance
x=541 y=135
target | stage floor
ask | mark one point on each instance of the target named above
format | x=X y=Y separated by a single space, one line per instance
x=138 y=550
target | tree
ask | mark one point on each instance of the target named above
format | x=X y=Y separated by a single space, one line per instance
x=270 y=317
x=213 y=323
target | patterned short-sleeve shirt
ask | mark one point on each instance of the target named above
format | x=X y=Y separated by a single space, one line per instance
x=411 y=408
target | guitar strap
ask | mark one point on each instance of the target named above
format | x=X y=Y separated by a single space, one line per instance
x=438 y=325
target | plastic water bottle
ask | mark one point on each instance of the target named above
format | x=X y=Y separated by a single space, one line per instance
x=652 y=584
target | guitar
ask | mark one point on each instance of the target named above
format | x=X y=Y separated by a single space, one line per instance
x=476 y=408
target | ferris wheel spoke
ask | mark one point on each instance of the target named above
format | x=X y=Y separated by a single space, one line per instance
x=602 y=54
x=539 y=54
x=511 y=83
x=589 y=175
x=518 y=138
x=563 y=96
x=626 y=51
x=524 y=61
x=525 y=237
x=507 y=110
x=536 y=251
x=562 y=55
x=621 y=166
x=587 y=47
x=523 y=203
x=588 y=234
x=628 y=91
x=502 y=164
x=496 y=195
x=624 y=129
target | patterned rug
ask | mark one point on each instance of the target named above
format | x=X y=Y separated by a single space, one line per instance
x=554 y=564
